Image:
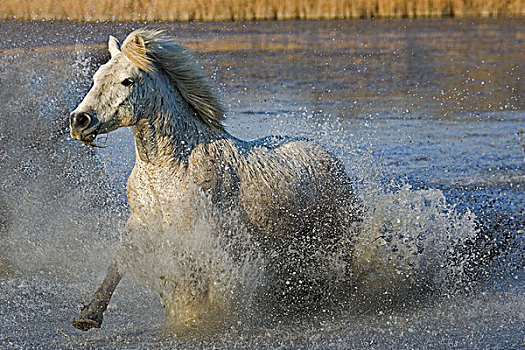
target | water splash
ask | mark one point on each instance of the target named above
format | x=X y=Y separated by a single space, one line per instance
x=405 y=243
x=50 y=204
x=206 y=273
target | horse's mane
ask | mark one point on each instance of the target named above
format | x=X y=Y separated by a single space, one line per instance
x=157 y=50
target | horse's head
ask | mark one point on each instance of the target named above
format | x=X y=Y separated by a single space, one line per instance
x=143 y=76
x=111 y=102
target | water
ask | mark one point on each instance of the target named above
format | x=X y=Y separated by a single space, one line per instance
x=427 y=116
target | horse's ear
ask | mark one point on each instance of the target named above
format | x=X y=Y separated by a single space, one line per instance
x=113 y=46
x=139 y=44
x=134 y=48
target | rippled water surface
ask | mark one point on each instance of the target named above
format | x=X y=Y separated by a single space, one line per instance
x=428 y=117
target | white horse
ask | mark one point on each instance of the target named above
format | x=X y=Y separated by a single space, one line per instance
x=286 y=190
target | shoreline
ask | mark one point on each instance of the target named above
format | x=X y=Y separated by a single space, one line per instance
x=255 y=10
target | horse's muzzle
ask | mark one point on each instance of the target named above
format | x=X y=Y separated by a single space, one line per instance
x=79 y=123
x=79 y=120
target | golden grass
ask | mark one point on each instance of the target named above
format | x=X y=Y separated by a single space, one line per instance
x=223 y=10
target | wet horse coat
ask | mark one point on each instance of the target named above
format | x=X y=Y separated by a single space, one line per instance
x=283 y=189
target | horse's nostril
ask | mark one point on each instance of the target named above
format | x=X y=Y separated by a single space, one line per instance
x=80 y=120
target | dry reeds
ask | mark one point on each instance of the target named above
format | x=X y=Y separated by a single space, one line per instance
x=224 y=10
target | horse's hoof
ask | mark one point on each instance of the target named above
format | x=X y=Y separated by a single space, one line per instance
x=85 y=323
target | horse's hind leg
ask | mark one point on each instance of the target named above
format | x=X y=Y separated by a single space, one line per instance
x=91 y=315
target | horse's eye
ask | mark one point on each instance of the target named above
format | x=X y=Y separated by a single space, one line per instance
x=127 y=82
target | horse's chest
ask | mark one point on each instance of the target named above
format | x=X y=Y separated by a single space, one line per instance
x=151 y=195
x=169 y=196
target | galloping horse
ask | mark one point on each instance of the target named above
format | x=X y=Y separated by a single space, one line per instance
x=282 y=187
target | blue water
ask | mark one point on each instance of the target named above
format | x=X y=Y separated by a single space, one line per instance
x=409 y=106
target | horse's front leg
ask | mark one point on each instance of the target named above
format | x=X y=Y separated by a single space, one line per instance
x=91 y=315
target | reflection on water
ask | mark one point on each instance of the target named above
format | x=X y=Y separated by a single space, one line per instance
x=427 y=68
x=427 y=116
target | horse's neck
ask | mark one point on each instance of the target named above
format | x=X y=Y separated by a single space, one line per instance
x=169 y=136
